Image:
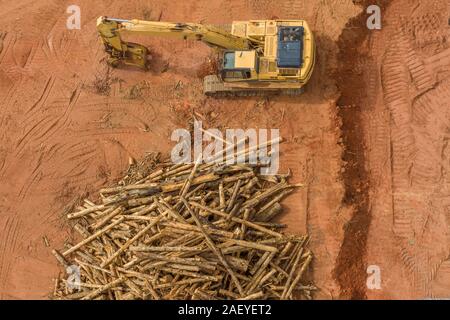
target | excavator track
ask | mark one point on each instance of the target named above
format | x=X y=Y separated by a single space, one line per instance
x=214 y=87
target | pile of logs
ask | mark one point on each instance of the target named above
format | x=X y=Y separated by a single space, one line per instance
x=187 y=231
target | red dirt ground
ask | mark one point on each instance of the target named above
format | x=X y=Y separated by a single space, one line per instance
x=397 y=176
x=369 y=137
x=407 y=126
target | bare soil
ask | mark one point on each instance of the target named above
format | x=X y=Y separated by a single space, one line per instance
x=406 y=123
x=369 y=137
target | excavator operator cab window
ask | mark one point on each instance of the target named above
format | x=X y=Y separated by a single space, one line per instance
x=236 y=74
x=229 y=60
x=230 y=71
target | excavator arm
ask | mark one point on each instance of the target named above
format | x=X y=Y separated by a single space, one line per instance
x=110 y=31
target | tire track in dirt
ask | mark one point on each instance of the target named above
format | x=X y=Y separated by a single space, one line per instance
x=23 y=44
x=6 y=42
x=417 y=126
x=31 y=181
x=23 y=50
x=69 y=151
x=293 y=159
x=38 y=130
x=379 y=144
x=421 y=77
x=8 y=240
x=32 y=55
x=422 y=28
x=80 y=156
x=441 y=284
x=438 y=61
x=45 y=128
x=428 y=179
x=43 y=65
x=80 y=159
x=58 y=149
x=44 y=96
x=233 y=11
x=292 y=9
x=261 y=8
x=403 y=145
x=396 y=97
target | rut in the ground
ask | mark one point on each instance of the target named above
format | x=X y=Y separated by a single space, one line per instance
x=350 y=268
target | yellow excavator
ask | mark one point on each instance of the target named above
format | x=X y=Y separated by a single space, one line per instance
x=256 y=57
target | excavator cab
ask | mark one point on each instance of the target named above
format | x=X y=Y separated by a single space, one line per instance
x=238 y=65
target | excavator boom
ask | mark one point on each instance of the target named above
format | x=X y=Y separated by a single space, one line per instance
x=110 y=30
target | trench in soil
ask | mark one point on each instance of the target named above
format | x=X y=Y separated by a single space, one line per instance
x=350 y=268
